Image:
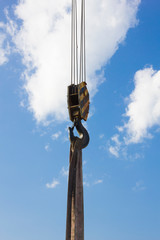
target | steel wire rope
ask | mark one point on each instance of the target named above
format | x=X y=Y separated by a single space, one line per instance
x=74 y=41
x=74 y=44
x=81 y=45
x=82 y=73
x=84 y=12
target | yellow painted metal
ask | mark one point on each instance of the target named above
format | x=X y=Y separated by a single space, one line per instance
x=78 y=101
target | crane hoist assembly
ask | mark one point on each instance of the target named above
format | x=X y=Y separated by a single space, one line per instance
x=78 y=107
x=78 y=96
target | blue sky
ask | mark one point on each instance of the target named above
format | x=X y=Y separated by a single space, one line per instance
x=121 y=164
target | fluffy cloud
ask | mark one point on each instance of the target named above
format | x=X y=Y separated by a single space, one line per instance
x=143 y=110
x=43 y=40
x=3 y=51
x=64 y=171
x=115 y=147
x=98 y=181
x=47 y=147
x=56 y=135
x=53 y=184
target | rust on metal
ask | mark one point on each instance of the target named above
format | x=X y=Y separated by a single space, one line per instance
x=78 y=101
x=75 y=211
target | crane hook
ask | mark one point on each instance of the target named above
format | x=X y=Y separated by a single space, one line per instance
x=78 y=142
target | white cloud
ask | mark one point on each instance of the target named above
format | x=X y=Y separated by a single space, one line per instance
x=4 y=50
x=98 y=181
x=142 y=113
x=47 y=147
x=143 y=110
x=56 y=135
x=115 y=139
x=53 y=184
x=114 y=151
x=43 y=40
x=65 y=171
x=2 y=25
x=22 y=104
x=139 y=186
x=114 y=148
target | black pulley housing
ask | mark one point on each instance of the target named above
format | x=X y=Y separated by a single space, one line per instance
x=78 y=101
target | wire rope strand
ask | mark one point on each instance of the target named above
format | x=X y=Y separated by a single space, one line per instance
x=75 y=79
x=84 y=42
x=81 y=45
x=72 y=44
x=82 y=74
x=74 y=52
x=76 y=41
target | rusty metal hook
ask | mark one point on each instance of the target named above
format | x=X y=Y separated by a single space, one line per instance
x=78 y=142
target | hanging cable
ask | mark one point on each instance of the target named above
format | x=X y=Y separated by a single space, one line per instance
x=81 y=45
x=78 y=95
x=84 y=42
x=74 y=44
x=82 y=73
